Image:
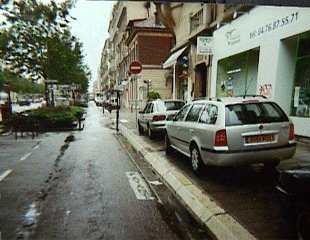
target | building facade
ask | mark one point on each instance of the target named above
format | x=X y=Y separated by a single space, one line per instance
x=134 y=35
x=188 y=21
x=266 y=51
x=149 y=43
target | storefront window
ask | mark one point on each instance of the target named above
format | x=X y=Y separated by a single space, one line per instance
x=301 y=92
x=237 y=74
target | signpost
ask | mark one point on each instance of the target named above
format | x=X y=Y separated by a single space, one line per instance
x=135 y=68
x=50 y=82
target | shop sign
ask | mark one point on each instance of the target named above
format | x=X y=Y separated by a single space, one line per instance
x=204 y=45
x=63 y=87
x=274 y=25
x=232 y=37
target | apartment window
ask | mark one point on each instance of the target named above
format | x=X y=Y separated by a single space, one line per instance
x=196 y=20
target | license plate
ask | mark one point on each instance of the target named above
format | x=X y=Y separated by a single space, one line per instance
x=260 y=138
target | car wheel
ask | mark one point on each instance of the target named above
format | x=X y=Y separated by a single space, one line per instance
x=150 y=133
x=167 y=144
x=197 y=163
x=140 y=129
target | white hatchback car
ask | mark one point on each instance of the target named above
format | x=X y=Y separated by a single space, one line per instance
x=231 y=131
x=154 y=116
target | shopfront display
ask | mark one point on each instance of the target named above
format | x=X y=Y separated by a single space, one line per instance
x=301 y=92
x=237 y=74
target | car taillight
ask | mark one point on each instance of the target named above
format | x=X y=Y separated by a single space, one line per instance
x=159 y=118
x=221 y=138
x=292 y=135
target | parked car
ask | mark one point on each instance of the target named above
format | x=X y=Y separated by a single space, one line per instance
x=155 y=115
x=23 y=101
x=293 y=192
x=231 y=131
x=99 y=101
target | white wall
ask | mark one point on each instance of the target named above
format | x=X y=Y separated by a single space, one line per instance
x=285 y=73
x=302 y=126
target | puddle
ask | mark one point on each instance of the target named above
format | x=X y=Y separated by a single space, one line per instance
x=29 y=221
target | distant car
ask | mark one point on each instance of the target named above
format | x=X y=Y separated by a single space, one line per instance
x=23 y=101
x=155 y=115
x=231 y=131
x=99 y=101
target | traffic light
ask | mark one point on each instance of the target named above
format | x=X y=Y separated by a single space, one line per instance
x=150 y=83
x=185 y=66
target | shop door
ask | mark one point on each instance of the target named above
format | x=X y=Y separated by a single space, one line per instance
x=200 y=87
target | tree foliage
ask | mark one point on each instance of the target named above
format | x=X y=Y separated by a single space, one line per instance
x=152 y=95
x=35 y=41
x=18 y=84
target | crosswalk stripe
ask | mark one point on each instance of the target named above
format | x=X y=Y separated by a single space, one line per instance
x=25 y=157
x=5 y=174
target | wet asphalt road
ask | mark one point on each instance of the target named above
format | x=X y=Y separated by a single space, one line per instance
x=74 y=186
x=29 y=163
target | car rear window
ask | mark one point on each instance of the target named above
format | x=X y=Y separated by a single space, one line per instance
x=171 y=105
x=253 y=113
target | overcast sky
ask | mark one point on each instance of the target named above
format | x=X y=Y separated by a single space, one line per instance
x=91 y=27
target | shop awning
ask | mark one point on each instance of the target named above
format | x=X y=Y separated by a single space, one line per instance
x=173 y=58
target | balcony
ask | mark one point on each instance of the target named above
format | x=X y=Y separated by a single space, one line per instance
x=196 y=21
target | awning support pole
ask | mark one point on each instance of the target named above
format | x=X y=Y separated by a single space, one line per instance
x=174 y=80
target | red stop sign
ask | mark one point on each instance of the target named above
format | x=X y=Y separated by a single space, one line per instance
x=135 y=67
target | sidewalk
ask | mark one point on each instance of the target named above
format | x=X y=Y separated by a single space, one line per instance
x=300 y=159
x=202 y=207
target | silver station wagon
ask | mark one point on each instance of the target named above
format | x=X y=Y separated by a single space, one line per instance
x=231 y=131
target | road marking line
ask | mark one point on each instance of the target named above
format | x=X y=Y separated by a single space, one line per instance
x=5 y=174
x=25 y=157
x=139 y=186
x=37 y=146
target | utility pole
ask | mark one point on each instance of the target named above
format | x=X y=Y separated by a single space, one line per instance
x=7 y=87
x=117 y=108
x=135 y=68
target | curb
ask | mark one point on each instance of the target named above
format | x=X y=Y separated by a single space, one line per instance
x=202 y=207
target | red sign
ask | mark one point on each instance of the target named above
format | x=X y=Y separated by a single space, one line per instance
x=135 y=67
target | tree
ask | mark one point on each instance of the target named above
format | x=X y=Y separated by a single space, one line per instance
x=32 y=38
x=152 y=95
x=18 y=84
x=66 y=62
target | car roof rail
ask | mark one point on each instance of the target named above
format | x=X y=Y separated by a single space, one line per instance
x=251 y=95
x=215 y=99
x=207 y=98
